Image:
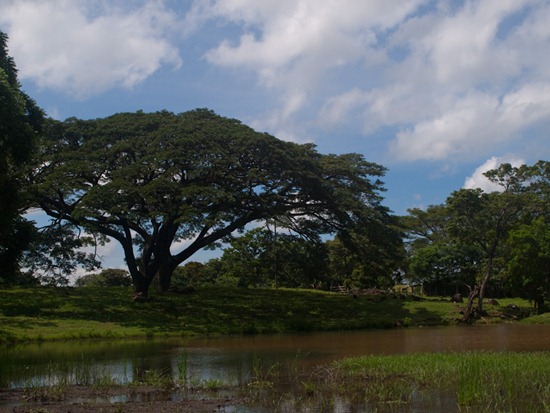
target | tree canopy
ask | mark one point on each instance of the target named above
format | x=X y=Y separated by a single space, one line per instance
x=166 y=185
x=20 y=120
x=476 y=235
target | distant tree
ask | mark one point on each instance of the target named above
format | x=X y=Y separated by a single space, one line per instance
x=441 y=265
x=444 y=269
x=529 y=265
x=365 y=263
x=297 y=262
x=151 y=180
x=467 y=239
x=244 y=260
x=109 y=277
x=20 y=121
x=265 y=258
x=193 y=274
x=486 y=219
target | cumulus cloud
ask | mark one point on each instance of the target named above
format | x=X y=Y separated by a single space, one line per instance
x=450 y=79
x=478 y=180
x=86 y=48
x=454 y=78
x=484 y=88
x=475 y=124
x=295 y=46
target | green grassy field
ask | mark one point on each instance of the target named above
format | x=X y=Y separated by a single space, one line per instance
x=76 y=313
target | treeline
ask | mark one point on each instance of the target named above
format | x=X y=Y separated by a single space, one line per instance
x=165 y=185
x=478 y=243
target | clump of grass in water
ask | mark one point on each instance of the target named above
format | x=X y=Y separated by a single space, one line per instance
x=212 y=384
x=262 y=375
x=156 y=379
x=502 y=380
x=182 y=365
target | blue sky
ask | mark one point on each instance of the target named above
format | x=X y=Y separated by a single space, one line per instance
x=436 y=91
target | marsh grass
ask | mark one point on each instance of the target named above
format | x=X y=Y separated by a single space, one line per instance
x=497 y=381
x=475 y=381
x=183 y=368
x=67 y=373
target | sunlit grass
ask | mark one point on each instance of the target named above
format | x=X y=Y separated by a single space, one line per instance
x=83 y=313
x=538 y=319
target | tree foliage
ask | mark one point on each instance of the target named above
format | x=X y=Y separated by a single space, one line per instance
x=195 y=274
x=109 y=277
x=20 y=120
x=57 y=250
x=476 y=235
x=266 y=258
x=166 y=185
x=365 y=263
x=529 y=265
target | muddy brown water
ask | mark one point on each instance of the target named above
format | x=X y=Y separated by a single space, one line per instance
x=238 y=361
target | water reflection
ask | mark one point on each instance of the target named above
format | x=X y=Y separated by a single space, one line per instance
x=240 y=361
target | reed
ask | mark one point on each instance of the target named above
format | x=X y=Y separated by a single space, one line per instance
x=182 y=367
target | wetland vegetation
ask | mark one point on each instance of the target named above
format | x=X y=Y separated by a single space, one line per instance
x=463 y=380
x=256 y=379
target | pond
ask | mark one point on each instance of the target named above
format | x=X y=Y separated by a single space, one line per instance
x=239 y=361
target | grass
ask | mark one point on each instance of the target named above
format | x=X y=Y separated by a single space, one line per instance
x=495 y=381
x=43 y=314
x=538 y=319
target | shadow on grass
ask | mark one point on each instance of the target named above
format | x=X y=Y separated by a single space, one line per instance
x=221 y=310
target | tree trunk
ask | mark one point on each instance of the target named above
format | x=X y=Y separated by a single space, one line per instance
x=488 y=272
x=469 y=312
x=165 y=274
x=141 y=288
x=141 y=283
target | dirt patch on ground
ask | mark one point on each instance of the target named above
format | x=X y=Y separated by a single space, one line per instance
x=78 y=399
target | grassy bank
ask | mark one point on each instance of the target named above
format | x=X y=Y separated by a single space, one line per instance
x=76 y=313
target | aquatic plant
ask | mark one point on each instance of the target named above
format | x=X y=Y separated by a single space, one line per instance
x=503 y=381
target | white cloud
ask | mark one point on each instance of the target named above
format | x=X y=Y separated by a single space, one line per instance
x=477 y=123
x=279 y=122
x=453 y=78
x=463 y=49
x=295 y=46
x=306 y=35
x=86 y=48
x=478 y=180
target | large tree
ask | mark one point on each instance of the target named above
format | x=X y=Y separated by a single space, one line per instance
x=20 y=120
x=166 y=185
x=486 y=219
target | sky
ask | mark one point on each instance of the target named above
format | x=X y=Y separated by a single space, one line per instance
x=437 y=91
